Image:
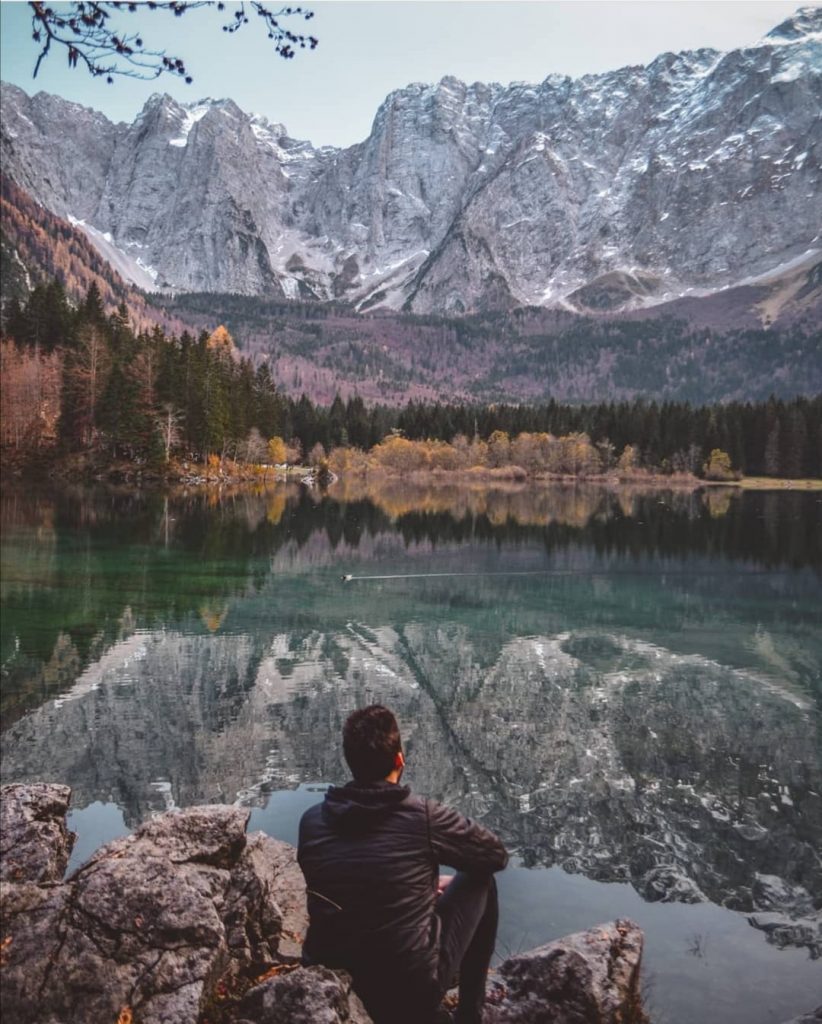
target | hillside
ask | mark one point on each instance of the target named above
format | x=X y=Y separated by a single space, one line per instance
x=37 y=247
x=531 y=354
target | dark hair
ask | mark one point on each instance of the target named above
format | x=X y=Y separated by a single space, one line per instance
x=371 y=742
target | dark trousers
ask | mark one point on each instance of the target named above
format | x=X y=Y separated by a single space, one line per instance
x=469 y=911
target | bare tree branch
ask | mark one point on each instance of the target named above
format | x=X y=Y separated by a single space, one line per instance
x=90 y=40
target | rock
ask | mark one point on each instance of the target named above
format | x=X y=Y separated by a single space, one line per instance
x=153 y=923
x=204 y=835
x=173 y=923
x=34 y=842
x=32 y=917
x=139 y=926
x=307 y=995
x=267 y=876
x=589 y=976
x=287 y=890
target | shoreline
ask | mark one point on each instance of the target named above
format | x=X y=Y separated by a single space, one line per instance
x=200 y=477
x=193 y=920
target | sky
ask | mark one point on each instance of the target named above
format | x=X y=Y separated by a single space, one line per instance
x=368 y=49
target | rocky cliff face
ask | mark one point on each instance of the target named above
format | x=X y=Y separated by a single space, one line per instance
x=694 y=173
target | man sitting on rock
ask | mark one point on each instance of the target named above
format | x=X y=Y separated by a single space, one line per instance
x=371 y=853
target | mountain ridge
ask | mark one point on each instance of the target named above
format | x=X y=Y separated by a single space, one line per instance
x=689 y=174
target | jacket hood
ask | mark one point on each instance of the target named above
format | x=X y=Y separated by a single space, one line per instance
x=358 y=805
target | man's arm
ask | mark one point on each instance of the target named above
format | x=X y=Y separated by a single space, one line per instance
x=461 y=843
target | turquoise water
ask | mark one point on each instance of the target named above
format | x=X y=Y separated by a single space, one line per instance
x=626 y=686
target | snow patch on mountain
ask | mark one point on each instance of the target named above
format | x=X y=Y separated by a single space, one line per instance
x=191 y=115
x=134 y=270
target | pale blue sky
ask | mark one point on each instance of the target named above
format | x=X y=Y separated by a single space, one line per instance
x=367 y=49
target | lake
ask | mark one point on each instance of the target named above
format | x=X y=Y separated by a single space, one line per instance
x=625 y=685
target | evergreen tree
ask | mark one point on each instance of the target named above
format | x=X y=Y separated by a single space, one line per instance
x=92 y=312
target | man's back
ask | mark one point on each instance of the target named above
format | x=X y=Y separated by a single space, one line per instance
x=370 y=875
x=370 y=854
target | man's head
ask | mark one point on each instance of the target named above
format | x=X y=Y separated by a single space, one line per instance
x=372 y=744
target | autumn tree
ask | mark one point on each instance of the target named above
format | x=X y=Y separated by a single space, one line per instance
x=499 y=449
x=718 y=466
x=29 y=396
x=276 y=451
x=254 y=449
x=317 y=455
x=399 y=455
x=628 y=462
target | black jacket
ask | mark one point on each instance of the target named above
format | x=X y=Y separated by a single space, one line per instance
x=370 y=854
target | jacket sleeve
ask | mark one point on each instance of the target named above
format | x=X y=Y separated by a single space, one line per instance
x=461 y=843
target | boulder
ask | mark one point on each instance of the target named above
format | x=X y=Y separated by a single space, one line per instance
x=149 y=929
x=306 y=995
x=588 y=976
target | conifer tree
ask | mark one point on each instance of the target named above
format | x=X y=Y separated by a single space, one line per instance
x=92 y=311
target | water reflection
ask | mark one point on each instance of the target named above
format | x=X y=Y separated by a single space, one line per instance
x=628 y=687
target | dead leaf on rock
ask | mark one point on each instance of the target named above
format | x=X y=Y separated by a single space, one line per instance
x=4 y=945
x=275 y=971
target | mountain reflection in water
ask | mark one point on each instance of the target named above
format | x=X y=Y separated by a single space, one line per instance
x=629 y=687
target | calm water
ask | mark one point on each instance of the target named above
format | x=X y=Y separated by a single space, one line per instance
x=626 y=686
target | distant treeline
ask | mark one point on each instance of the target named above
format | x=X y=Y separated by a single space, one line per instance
x=84 y=381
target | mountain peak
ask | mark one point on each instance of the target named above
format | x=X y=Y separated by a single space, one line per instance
x=805 y=23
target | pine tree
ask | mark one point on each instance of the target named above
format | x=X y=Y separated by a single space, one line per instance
x=92 y=312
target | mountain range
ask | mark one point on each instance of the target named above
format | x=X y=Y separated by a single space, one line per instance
x=699 y=172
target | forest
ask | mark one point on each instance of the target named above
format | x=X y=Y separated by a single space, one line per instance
x=694 y=354
x=76 y=380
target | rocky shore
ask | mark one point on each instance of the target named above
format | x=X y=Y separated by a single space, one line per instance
x=191 y=919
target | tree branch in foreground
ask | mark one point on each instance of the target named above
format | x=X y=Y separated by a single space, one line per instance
x=85 y=31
